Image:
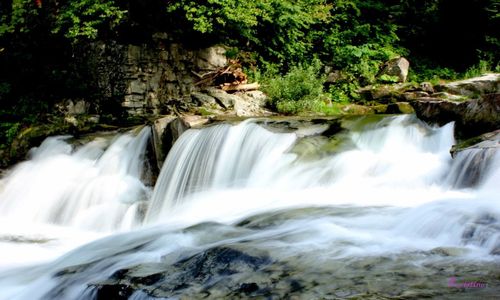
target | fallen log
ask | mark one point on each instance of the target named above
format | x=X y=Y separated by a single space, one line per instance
x=241 y=87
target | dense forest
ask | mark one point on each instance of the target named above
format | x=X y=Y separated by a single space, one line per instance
x=443 y=39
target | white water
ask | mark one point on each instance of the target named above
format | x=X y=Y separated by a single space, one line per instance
x=397 y=190
x=63 y=197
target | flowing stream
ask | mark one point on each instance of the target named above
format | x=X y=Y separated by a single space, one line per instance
x=381 y=209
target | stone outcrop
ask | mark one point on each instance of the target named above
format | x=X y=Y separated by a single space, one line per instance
x=397 y=67
x=473 y=159
x=490 y=140
x=146 y=79
x=453 y=91
x=473 y=87
x=471 y=117
x=164 y=77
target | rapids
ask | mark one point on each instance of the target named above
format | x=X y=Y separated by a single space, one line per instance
x=391 y=198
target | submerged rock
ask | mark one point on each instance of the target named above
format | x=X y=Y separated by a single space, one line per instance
x=223 y=271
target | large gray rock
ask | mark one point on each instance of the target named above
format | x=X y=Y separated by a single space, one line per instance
x=473 y=87
x=144 y=79
x=397 y=67
x=387 y=93
x=472 y=117
x=250 y=104
x=224 y=99
x=166 y=131
x=211 y=58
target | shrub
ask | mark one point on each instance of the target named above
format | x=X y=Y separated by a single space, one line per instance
x=301 y=89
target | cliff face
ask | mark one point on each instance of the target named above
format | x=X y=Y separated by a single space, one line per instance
x=148 y=79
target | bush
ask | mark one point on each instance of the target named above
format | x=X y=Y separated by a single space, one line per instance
x=301 y=89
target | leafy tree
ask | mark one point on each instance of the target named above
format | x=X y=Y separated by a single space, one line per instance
x=84 y=18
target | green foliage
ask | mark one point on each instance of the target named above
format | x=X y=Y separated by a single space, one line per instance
x=384 y=78
x=280 y=31
x=301 y=89
x=79 y=19
x=479 y=69
x=83 y=18
x=23 y=14
x=8 y=132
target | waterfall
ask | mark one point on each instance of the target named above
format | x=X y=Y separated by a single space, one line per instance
x=396 y=154
x=388 y=195
x=217 y=157
x=92 y=187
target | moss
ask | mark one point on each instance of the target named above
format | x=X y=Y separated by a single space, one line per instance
x=203 y=111
x=405 y=108
x=379 y=108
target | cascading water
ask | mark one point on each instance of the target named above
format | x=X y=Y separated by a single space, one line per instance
x=238 y=212
x=90 y=188
x=216 y=158
x=62 y=193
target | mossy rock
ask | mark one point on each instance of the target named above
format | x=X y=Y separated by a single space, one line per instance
x=380 y=108
x=400 y=108
x=356 y=109
x=484 y=141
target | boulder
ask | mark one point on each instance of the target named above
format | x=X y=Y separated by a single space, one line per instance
x=472 y=117
x=166 y=131
x=159 y=138
x=77 y=107
x=250 y=104
x=473 y=87
x=386 y=93
x=399 y=108
x=490 y=140
x=224 y=99
x=396 y=67
x=204 y=100
x=211 y=58
x=194 y=121
x=221 y=270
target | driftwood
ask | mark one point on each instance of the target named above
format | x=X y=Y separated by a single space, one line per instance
x=231 y=75
x=241 y=87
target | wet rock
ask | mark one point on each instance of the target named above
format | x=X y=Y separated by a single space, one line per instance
x=166 y=131
x=399 y=108
x=248 y=288
x=472 y=117
x=303 y=126
x=114 y=291
x=490 y=140
x=448 y=251
x=215 y=271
